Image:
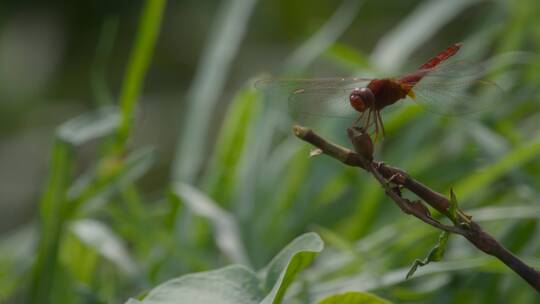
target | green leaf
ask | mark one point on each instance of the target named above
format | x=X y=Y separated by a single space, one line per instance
x=336 y=240
x=103 y=240
x=354 y=298
x=207 y=88
x=233 y=284
x=226 y=228
x=366 y=281
x=52 y=219
x=322 y=39
x=434 y=255
x=397 y=45
x=482 y=178
x=90 y=125
x=282 y=270
x=505 y=213
x=139 y=61
x=347 y=56
x=108 y=177
x=231 y=143
x=104 y=47
x=16 y=257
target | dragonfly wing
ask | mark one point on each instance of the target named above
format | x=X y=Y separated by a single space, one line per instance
x=287 y=86
x=310 y=99
x=455 y=97
x=308 y=104
x=459 y=70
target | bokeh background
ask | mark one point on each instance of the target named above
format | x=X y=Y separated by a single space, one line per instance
x=206 y=151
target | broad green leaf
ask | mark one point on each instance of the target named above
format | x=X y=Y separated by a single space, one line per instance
x=90 y=125
x=233 y=284
x=354 y=298
x=292 y=259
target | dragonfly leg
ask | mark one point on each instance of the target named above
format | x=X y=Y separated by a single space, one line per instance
x=357 y=120
x=377 y=125
x=379 y=118
x=367 y=121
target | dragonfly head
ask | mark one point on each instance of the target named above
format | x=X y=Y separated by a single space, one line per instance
x=361 y=99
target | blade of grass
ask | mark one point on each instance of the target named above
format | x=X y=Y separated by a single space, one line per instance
x=323 y=39
x=52 y=219
x=227 y=232
x=480 y=179
x=367 y=281
x=102 y=93
x=91 y=125
x=397 y=45
x=222 y=171
x=139 y=62
x=16 y=253
x=108 y=178
x=103 y=240
x=505 y=213
x=207 y=87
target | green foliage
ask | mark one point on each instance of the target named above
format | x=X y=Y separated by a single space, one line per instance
x=236 y=283
x=139 y=62
x=232 y=284
x=288 y=263
x=354 y=298
x=243 y=189
x=434 y=255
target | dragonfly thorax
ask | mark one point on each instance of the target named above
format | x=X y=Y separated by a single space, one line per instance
x=361 y=99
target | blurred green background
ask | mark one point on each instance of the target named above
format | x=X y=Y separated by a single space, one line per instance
x=109 y=187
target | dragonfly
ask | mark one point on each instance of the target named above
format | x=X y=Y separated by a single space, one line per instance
x=442 y=87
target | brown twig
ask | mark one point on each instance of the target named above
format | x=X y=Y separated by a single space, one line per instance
x=386 y=175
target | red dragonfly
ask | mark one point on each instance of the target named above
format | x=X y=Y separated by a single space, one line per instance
x=443 y=88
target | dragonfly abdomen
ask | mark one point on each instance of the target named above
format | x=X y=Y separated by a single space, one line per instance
x=442 y=56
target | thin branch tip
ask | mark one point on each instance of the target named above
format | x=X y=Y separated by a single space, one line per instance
x=300 y=131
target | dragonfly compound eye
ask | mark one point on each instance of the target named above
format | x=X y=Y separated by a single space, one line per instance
x=361 y=99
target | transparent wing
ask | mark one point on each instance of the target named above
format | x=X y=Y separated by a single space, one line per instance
x=309 y=99
x=459 y=70
x=307 y=104
x=455 y=96
x=276 y=86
